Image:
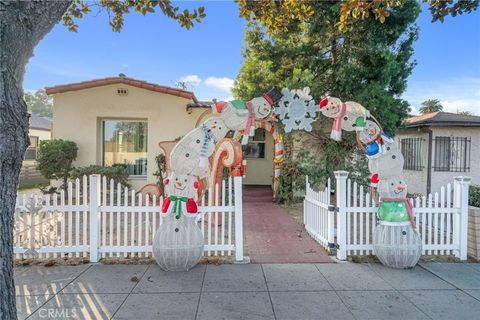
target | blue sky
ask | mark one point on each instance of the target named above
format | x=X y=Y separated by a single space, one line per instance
x=156 y=49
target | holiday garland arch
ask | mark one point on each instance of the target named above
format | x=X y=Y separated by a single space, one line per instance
x=177 y=246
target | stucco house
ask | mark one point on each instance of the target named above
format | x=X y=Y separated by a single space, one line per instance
x=121 y=120
x=437 y=147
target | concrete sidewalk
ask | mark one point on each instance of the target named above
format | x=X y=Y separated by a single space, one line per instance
x=252 y=291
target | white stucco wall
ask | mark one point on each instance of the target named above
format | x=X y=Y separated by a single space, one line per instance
x=77 y=116
x=260 y=171
x=417 y=180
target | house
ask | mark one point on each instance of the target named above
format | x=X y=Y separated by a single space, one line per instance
x=437 y=147
x=40 y=129
x=121 y=120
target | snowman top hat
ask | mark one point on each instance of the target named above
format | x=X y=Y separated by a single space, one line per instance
x=273 y=96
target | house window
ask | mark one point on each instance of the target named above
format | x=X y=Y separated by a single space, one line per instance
x=412 y=152
x=125 y=144
x=31 y=153
x=255 y=149
x=452 y=154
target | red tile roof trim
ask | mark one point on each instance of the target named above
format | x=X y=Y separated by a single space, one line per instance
x=120 y=80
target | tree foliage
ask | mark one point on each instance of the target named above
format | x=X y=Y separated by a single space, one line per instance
x=39 y=103
x=431 y=105
x=370 y=65
x=119 y=174
x=55 y=158
x=277 y=15
x=117 y=9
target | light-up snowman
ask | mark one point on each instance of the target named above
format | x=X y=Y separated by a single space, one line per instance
x=389 y=163
x=373 y=139
x=190 y=155
x=178 y=242
x=395 y=240
x=348 y=116
x=241 y=115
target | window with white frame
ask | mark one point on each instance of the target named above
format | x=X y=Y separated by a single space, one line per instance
x=31 y=152
x=255 y=149
x=452 y=154
x=125 y=144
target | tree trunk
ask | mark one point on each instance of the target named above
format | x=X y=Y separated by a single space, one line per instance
x=22 y=25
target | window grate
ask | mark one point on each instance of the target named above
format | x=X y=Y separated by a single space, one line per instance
x=412 y=152
x=452 y=154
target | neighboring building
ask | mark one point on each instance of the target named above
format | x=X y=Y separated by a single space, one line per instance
x=120 y=121
x=437 y=147
x=40 y=129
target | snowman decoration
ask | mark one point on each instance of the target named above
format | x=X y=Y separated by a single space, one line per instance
x=178 y=243
x=396 y=241
x=373 y=139
x=190 y=155
x=348 y=116
x=241 y=115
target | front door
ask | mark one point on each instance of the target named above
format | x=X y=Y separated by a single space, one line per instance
x=259 y=155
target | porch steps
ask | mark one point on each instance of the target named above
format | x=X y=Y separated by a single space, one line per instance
x=257 y=194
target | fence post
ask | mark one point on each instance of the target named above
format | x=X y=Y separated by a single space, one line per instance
x=341 y=193
x=330 y=219
x=237 y=187
x=463 y=185
x=94 y=191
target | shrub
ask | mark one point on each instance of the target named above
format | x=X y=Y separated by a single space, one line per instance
x=118 y=173
x=55 y=158
x=474 y=196
x=161 y=172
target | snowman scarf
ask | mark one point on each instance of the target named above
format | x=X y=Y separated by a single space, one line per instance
x=250 y=125
x=336 y=133
x=208 y=138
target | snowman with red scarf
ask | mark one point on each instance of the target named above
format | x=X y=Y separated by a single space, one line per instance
x=348 y=116
x=178 y=242
x=241 y=115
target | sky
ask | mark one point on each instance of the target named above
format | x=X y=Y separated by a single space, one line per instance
x=208 y=56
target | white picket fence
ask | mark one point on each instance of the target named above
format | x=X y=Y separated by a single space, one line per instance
x=96 y=218
x=348 y=224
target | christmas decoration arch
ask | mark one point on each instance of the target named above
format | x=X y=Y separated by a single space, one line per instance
x=178 y=246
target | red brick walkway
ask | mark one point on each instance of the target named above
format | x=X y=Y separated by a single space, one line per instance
x=272 y=235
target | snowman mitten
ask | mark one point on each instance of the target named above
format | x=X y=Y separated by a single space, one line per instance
x=191 y=206
x=166 y=204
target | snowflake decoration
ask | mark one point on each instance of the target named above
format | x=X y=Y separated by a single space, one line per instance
x=34 y=229
x=297 y=109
